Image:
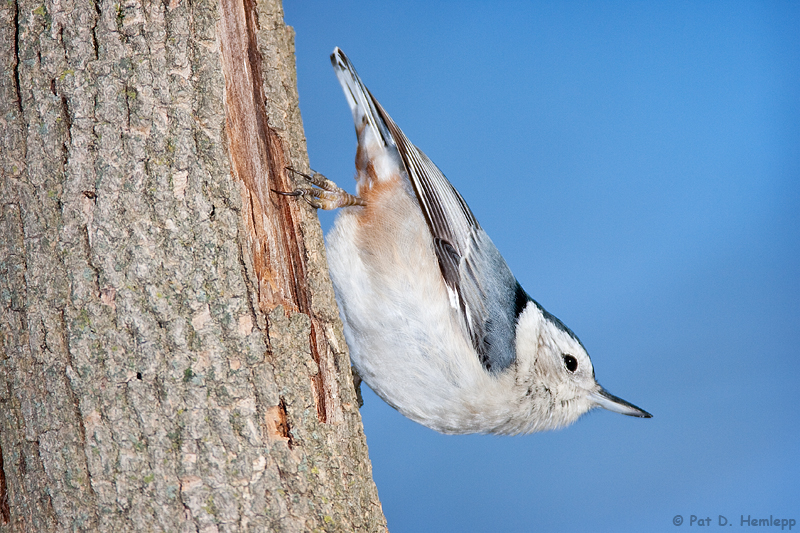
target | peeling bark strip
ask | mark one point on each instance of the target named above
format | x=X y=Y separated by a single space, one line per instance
x=259 y=160
x=278 y=424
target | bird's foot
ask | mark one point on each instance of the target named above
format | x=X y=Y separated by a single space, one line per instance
x=320 y=192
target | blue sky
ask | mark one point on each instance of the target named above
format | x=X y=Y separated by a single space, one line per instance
x=638 y=165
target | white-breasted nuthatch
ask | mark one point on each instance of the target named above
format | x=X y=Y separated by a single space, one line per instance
x=436 y=323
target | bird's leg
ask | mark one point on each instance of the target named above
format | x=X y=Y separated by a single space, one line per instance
x=320 y=192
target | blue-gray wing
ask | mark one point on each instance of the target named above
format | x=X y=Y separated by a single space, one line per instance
x=480 y=284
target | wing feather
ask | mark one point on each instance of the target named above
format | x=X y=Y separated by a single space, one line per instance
x=471 y=266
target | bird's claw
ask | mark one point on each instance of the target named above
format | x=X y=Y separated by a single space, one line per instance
x=320 y=192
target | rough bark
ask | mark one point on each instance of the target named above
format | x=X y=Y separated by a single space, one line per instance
x=170 y=352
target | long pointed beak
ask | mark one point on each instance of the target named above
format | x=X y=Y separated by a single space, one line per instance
x=606 y=400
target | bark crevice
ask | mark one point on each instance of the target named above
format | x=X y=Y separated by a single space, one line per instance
x=5 y=511
x=15 y=64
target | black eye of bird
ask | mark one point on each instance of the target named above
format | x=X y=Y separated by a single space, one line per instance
x=570 y=362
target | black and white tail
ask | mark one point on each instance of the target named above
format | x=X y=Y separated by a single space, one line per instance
x=361 y=102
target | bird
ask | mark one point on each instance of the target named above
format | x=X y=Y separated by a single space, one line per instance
x=436 y=323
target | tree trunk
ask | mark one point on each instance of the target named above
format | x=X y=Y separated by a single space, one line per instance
x=171 y=357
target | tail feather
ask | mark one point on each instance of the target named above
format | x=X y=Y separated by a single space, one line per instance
x=362 y=105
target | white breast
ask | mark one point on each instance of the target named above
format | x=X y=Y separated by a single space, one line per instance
x=405 y=338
